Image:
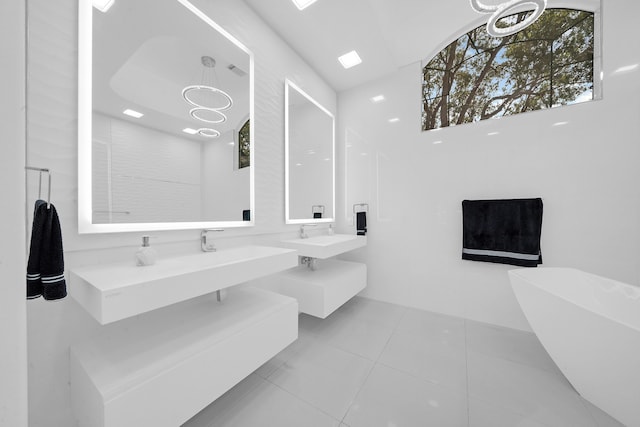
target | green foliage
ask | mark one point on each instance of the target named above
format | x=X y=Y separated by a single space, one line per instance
x=477 y=77
x=244 y=145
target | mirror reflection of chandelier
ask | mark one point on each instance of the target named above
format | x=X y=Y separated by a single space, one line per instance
x=499 y=12
x=208 y=101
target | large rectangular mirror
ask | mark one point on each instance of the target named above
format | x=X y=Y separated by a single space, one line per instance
x=309 y=158
x=165 y=131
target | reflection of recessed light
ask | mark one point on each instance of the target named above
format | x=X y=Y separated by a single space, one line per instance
x=378 y=98
x=301 y=4
x=132 y=113
x=626 y=68
x=298 y=164
x=394 y=120
x=327 y=159
x=189 y=131
x=311 y=152
x=437 y=142
x=102 y=5
x=350 y=59
x=492 y=133
x=560 y=123
x=231 y=143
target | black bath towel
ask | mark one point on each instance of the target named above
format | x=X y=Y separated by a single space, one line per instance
x=361 y=223
x=45 y=267
x=502 y=231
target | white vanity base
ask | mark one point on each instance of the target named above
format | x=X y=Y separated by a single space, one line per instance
x=321 y=292
x=163 y=368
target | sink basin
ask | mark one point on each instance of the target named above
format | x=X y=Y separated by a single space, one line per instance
x=110 y=292
x=326 y=246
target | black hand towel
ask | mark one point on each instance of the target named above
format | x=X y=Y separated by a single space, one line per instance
x=45 y=268
x=361 y=223
x=34 y=284
x=317 y=215
x=502 y=231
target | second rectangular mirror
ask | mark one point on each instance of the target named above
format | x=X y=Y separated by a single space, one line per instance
x=309 y=158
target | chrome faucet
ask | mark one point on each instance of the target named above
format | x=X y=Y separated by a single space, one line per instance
x=204 y=242
x=303 y=232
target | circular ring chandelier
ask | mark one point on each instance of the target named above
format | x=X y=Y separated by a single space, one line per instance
x=499 y=12
x=208 y=133
x=194 y=89
x=195 y=96
x=197 y=113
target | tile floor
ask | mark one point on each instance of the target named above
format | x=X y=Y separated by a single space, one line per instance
x=376 y=364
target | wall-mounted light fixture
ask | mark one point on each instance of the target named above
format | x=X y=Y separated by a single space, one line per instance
x=303 y=4
x=499 y=11
x=102 y=5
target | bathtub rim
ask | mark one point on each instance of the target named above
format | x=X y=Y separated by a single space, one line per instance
x=521 y=274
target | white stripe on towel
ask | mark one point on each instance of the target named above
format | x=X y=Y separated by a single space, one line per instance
x=52 y=279
x=503 y=254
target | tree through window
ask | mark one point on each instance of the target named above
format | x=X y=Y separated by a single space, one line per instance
x=478 y=77
x=244 y=145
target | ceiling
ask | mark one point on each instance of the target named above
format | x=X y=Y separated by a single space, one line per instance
x=145 y=67
x=387 y=34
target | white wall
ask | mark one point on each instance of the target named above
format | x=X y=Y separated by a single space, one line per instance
x=152 y=176
x=13 y=319
x=225 y=187
x=586 y=172
x=310 y=161
x=52 y=122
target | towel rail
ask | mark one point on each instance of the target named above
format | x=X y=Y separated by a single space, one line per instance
x=364 y=206
x=41 y=171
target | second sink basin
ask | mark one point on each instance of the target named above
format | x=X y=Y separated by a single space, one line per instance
x=325 y=246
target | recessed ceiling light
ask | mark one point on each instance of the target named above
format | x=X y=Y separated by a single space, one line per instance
x=102 y=5
x=394 y=120
x=350 y=59
x=492 y=133
x=302 y=4
x=132 y=113
x=560 y=123
x=378 y=98
x=189 y=131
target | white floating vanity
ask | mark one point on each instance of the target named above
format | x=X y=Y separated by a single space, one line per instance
x=179 y=353
x=325 y=246
x=111 y=292
x=330 y=282
x=173 y=363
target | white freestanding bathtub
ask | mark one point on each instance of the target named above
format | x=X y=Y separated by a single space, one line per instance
x=590 y=326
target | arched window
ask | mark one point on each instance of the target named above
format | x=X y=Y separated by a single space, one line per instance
x=478 y=77
x=244 y=145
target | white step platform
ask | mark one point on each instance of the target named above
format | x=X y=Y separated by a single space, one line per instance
x=111 y=292
x=164 y=367
x=320 y=292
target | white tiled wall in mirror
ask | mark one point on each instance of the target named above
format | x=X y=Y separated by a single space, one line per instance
x=310 y=158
